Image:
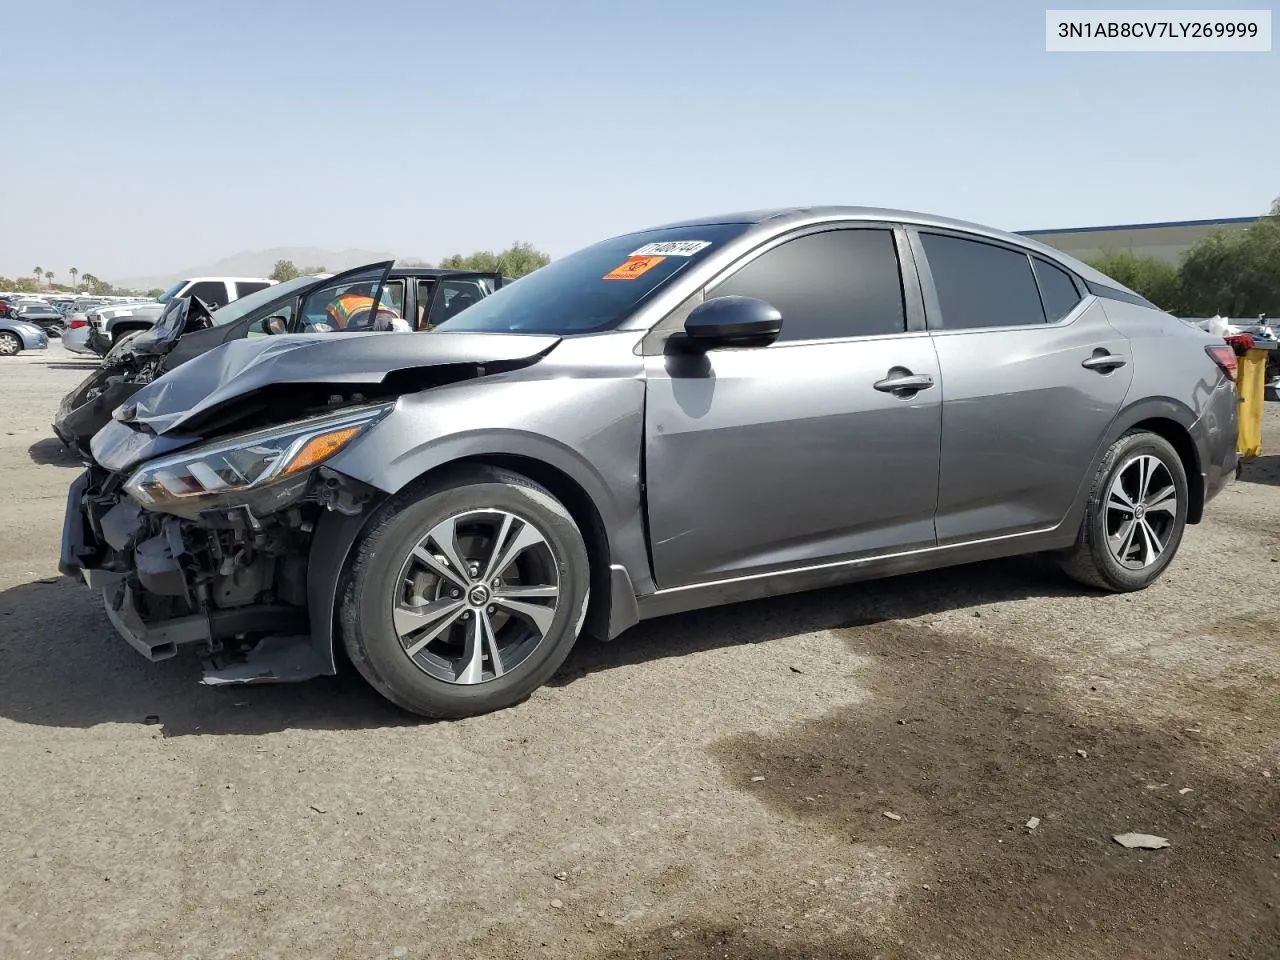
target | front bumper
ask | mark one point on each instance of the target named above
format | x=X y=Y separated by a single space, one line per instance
x=103 y=546
x=34 y=339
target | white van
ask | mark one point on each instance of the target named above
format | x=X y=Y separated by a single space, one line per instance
x=215 y=291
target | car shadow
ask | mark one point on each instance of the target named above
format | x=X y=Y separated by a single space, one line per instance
x=964 y=740
x=873 y=601
x=52 y=452
x=1265 y=470
x=88 y=363
x=61 y=663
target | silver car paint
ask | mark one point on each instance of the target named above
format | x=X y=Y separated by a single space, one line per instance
x=802 y=476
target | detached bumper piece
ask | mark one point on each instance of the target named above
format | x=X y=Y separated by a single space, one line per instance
x=160 y=639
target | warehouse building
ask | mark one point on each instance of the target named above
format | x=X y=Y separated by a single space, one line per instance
x=1164 y=241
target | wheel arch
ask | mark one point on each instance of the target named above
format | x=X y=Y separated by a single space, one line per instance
x=612 y=606
x=1176 y=423
x=123 y=327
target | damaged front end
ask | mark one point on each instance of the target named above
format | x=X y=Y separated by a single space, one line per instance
x=209 y=517
x=210 y=547
x=127 y=366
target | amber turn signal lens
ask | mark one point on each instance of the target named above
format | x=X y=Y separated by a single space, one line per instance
x=320 y=448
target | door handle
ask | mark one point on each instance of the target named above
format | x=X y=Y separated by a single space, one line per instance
x=1106 y=362
x=904 y=383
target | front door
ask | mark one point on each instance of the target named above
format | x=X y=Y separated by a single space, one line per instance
x=804 y=451
x=1034 y=375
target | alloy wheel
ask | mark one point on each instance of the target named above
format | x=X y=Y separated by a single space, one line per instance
x=476 y=596
x=9 y=345
x=1142 y=512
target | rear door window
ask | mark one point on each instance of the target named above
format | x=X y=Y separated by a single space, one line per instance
x=980 y=284
x=246 y=287
x=1057 y=290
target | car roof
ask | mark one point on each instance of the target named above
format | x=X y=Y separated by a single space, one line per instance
x=428 y=273
x=777 y=219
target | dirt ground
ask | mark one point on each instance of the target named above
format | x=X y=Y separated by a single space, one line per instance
x=709 y=785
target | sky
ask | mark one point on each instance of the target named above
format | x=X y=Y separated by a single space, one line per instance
x=138 y=138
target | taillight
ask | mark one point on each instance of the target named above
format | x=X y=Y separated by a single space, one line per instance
x=1225 y=357
x=77 y=324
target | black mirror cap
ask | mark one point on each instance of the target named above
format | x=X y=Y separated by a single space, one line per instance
x=733 y=322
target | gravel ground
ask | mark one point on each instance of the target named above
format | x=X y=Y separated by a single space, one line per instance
x=710 y=785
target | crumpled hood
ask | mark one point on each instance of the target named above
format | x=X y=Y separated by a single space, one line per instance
x=240 y=367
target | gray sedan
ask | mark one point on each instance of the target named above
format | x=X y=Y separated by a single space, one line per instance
x=18 y=335
x=690 y=415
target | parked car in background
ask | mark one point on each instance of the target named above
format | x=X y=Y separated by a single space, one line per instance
x=215 y=291
x=711 y=411
x=41 y=314
x=108 y=324
x=349 y=302
x=17 y=335
x=75 y=335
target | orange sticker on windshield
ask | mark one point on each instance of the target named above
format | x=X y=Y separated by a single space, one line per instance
x=634 y=267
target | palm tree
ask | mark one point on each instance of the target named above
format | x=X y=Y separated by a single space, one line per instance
x=90 y=281
x=74 y=273
x=39 y=272
x=48 y=278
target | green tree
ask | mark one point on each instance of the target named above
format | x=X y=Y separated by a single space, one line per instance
x=154 y=293
x=308 y=271
x=284 y=270
x=516 y=261
x=48 y=277
x=1235 y=274
x=1155 y=279
x=74 y=273
x=39 y=274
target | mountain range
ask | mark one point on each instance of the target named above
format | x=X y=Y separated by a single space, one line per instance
x=259 y=263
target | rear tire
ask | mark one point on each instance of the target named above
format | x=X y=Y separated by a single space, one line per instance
x=453 y=636
x=10 y=345
x=1135 y=517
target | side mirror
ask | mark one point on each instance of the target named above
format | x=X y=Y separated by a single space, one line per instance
x=274 y=326
x=732 y=322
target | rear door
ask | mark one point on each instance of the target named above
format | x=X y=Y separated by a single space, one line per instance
x=1033 y=376
x=804 y=451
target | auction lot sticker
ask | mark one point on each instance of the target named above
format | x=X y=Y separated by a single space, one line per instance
x=672 y=248
x=633 y=267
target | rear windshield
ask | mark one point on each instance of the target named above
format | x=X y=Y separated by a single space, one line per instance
x=595 y=288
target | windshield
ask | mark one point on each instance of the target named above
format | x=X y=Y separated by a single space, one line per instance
x=171 y=292
x=245 y=305
x=595 y=288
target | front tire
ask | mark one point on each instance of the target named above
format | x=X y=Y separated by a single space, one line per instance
x=465 y=594
x=10 y=345
x=1135 y=517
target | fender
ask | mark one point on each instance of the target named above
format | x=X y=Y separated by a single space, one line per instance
x=336 y=534
x=1149 y=408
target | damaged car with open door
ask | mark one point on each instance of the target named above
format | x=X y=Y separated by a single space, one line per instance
x=711 y=411
x=376 y=296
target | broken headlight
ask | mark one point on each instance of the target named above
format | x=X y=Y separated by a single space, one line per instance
x=266 y=469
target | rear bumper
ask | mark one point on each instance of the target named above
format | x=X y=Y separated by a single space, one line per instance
x=77 y=341
x=1215 y=435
